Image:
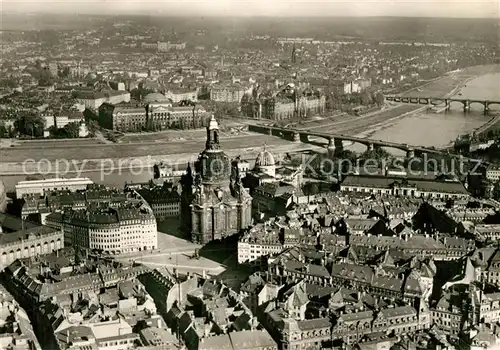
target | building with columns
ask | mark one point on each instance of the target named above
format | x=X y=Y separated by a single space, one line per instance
x=216 y=203
x=23 y=239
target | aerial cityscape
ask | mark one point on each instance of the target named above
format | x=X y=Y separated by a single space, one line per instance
x=249 y=176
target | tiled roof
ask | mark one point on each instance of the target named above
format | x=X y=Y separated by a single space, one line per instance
x=218 y=342
x=316 y=323
x=254 y=339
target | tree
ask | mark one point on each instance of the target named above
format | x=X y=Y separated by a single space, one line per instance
x=187 y=103
x=44 y=77
x=30 y=124
x=366 y=98
x=311 y=188
x=378 y=154
x=182 y=124
x=9 y=82
x=72 y=130
x=224 y=110
x=3 y=131
x=347 y=155
x=379 y=98
x=135 y=94
x=11 y=132
x=111 y=137
x=54 y=131
x=93 y=127
x=196 y=122
x=496 y=191
x=64 y=73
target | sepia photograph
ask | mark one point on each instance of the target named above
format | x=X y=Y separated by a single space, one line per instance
x=250 y=175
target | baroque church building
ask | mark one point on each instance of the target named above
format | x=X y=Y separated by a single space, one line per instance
x=215 y=203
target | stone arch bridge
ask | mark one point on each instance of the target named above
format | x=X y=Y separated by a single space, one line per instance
x=335 y=141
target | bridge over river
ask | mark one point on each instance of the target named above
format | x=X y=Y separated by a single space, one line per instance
x=335 y=141
x=447 y=101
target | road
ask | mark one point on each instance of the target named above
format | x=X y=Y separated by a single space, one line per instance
x=94 y=150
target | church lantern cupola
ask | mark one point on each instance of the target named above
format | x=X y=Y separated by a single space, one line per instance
x=212 y=134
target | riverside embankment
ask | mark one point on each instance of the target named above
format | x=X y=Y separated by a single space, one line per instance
x=431 y=129
x=93 y=159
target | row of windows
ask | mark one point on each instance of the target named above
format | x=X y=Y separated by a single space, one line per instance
x=115 y=343
x=403 y=192
x=27 y=252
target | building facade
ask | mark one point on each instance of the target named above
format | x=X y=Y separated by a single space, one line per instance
x=352 y=327
x=93 y=100
x=182 y=94
x=283 y=105
x=125 y=117
x=164 y=46
x=178 y=117
x=493 y=173
x=258 y=243
x=405 y=186
x=228 y=93
x=39 y=187
x=164 y=201
x=156 y=112
x=29 y=243
x=112 y=230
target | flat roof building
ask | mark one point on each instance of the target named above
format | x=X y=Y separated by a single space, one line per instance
x=39 y=187
x=421 y=187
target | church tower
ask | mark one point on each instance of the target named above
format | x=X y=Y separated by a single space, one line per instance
x=213 y=165
x=219 y=207
x=212 y=135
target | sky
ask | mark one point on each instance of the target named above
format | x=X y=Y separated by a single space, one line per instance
x=289 y=8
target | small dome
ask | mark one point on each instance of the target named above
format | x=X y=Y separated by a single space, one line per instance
x=265 y=158
x=155 y=97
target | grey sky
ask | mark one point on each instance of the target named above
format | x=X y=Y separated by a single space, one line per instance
x=417 y=8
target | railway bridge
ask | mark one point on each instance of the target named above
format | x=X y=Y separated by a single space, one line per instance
x=447 y=101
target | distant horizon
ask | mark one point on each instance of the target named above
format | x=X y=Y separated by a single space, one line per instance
x=454 y=9
x=239 y=16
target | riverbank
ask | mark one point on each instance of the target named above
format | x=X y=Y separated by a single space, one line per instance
x=95 y=158
x=390 y=122
x=140 y=164
x=440 y=88
x=451 y=83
